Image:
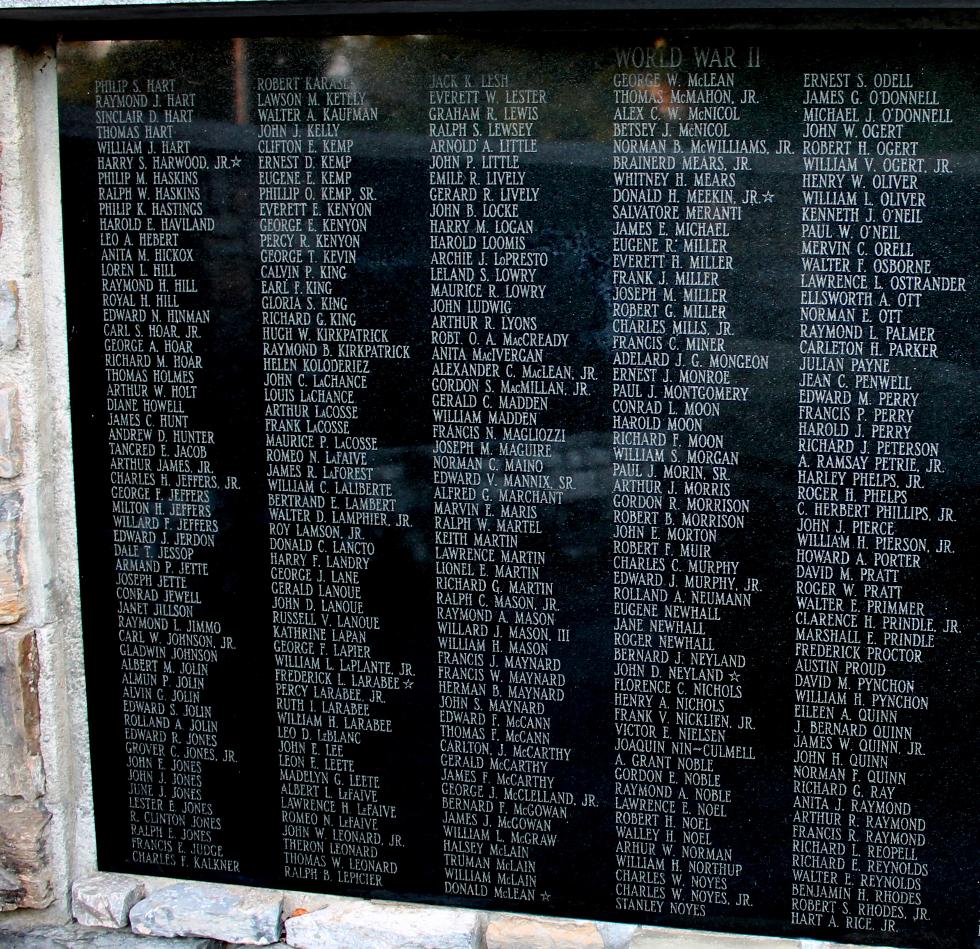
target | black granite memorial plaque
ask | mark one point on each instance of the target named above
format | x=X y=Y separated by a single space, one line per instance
x=534 y=471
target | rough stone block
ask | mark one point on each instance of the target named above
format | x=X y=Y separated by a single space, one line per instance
x=12 y=600
x=9 y=320
x=26 y=877
x=616 y=935
x=11 y=453
x=105 y=899
x=9 y=890
x=683 y=939
x=232 y=914
x=84 y=937
x=21 y=769
x=531 y=932
x=347 y=923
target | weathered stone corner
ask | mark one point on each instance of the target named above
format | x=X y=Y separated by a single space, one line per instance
x=231 y=914
x=616 y=935
x=105 y=899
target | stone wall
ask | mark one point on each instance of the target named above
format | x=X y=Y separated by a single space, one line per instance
x=42 y=727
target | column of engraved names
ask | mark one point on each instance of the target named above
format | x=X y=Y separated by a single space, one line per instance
x=163 y=488
x=865 y=528
x=497 y=377
x=678 y=162
x=328 y=506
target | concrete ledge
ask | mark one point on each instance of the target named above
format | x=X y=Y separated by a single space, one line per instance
x=350 y=923
x=538 y=932
x=661 y=938
x=343 y=924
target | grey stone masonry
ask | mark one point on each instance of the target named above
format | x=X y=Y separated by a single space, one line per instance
x=232 y=914
x=105 y=899
x=85 y=937
x=363 y=924
x=616 y=935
